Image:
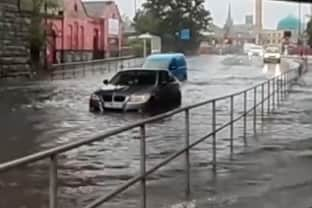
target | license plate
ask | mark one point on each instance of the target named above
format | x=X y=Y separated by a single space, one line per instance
x=113 y=105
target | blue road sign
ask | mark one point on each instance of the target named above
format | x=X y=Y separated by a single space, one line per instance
x=185 y=34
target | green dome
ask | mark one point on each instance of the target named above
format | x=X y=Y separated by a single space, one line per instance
x=289 y=23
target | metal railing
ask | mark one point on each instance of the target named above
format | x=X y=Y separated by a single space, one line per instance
x=277 y=89
x=75 y=69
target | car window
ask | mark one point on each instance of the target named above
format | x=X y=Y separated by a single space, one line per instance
x=135 y=78
x=156 y=63
x=165 y=77
x=272 y=50
x=171 y=78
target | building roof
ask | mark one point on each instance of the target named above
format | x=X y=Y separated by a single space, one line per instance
x=289 y=23
x=97 y=8
x=165 y=56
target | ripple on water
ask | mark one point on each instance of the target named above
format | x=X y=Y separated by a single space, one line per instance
x=59 y=114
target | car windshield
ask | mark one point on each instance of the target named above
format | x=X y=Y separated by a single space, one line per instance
x=156 y=63
x=272 y=50
x=135 y=78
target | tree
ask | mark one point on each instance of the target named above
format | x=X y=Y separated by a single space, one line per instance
x=37 y=10
x=309 y=32
x=167 y=18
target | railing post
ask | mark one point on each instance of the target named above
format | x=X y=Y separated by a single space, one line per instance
x=255 y=111
x=282 y=87
x=214 y=137
x=187 y=152
x=143 y=165
x=84 y=69
x=74 y=73
x=232 y=127
x=53 y=182
x=286 y=84
x=273 y=96
x=278 y=90
x=262 y=101
x=245 y=118
x=93 y=67
x=269 y=96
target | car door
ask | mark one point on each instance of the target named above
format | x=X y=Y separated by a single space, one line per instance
x=169 y=87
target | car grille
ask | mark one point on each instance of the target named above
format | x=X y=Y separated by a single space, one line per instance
x=119 y=98
x=107 y=98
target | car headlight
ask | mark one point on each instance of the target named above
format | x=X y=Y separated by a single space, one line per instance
x=95 y=97
x=139 y=98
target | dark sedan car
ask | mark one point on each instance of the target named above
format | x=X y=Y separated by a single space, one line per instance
x=137 y=89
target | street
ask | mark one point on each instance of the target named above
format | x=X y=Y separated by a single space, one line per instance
x=40 y=115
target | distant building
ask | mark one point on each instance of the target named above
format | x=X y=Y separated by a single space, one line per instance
x=289 y=23
x=272 y=37
x=83 y=31
x=249 y=20
x=239 y=34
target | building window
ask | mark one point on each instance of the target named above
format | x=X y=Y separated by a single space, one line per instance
x=76 y=35
x=76 y=8
x=96 y=40
x=82 y=37
x=70 y=37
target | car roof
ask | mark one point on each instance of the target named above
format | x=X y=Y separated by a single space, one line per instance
x=143 y=69
x=166 y=56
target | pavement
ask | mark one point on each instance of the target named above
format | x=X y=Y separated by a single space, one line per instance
x=275 y=171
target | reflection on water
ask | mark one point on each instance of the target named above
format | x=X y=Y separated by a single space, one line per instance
x=265 y=68
x=273 y=69
x=278 y=70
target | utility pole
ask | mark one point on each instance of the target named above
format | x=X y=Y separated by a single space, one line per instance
x=135 y=7
x=259 y=25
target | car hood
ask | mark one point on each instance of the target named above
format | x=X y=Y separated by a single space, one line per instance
x=124 y=90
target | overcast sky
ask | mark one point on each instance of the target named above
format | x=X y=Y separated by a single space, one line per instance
x=273 y=11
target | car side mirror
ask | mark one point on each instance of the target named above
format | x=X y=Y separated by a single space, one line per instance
x=105 y=81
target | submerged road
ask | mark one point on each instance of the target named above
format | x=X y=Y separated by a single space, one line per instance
x=39 y=115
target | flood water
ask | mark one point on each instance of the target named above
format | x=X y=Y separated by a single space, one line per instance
x=43 y=114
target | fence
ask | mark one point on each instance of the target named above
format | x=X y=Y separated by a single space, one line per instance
x=271 y=92
x=72 y=70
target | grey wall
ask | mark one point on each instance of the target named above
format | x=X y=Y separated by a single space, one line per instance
x=14 y=52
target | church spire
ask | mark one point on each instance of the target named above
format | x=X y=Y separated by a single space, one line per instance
x=229 y=17
x=229 y=21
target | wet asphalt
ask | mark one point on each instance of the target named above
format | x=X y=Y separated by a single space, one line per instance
x=43 y=114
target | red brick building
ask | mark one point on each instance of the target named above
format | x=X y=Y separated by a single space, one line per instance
x=83 y=31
